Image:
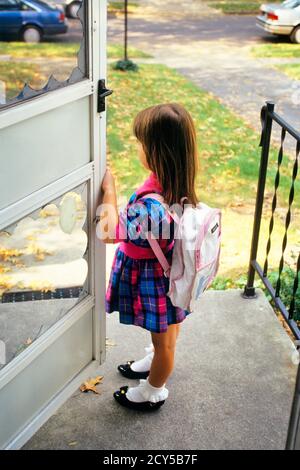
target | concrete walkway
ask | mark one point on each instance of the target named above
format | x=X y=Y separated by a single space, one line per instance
x=243 y=83
x=232 y=386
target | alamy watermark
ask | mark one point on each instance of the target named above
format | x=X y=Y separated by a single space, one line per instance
x=137 y=220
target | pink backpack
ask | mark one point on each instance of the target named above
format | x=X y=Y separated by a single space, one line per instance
x=196 y=253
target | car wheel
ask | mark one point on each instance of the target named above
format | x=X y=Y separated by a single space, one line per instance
x=73 y=9
x=31 y=34
x=295 y=36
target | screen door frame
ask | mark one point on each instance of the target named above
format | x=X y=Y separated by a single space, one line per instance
x=91 y=173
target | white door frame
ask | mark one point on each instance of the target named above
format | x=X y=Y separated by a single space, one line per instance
x=91 y=173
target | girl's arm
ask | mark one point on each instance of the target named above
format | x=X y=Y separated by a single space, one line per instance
x=110 y=200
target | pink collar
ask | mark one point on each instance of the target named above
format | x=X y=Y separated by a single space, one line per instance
x=150 y=185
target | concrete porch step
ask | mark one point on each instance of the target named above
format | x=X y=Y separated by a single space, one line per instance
x=232 y=386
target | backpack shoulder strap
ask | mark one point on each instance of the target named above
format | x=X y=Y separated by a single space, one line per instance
x=160 y=198
x=159 y=254
x=154 y=243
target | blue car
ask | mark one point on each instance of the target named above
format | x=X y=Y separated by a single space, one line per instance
x=30 y=20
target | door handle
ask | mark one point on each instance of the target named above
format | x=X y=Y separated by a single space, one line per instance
x=103 y=92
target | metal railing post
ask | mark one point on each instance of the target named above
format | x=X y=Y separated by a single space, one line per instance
x=249 y=290
x=126 y=30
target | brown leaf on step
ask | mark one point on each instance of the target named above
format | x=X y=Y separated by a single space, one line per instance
x=28 y=341
x=90 y=385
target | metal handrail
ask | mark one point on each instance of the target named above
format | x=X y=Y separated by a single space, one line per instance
x=268 y=116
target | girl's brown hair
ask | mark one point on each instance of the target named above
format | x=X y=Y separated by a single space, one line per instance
x=168 y=136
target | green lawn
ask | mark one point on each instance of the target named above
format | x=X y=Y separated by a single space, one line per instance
x=284 y=51
x=19 y=50
x=229 y=162
x=15 y=74
x=116 y=51
x=116 y=7
x=292 y=70
x=238 y=7
x=228 y=148
x=276 y=50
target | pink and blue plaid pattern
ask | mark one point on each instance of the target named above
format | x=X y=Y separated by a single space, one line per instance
x=137 y=288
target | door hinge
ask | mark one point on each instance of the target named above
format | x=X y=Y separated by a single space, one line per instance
x=103 y=92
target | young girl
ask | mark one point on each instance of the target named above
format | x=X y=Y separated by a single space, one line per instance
x=138 y=285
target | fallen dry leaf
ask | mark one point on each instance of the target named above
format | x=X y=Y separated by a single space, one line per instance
x=110 y=342
x=90 y=385
x=72 y=443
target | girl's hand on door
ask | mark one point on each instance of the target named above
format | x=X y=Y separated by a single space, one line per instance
x=109 y=201
x=108 y=182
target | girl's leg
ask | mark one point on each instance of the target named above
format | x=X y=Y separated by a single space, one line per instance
x=177 y=334
x=153 y=389
x=164 y=352
x=144 y=364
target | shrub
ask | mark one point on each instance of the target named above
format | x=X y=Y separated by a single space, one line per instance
x=125 y=66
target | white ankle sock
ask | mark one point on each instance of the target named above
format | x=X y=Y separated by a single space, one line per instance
x=146 y=392
x=149 y=348
x=143 y=365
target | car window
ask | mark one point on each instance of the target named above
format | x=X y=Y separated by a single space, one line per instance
x=8 y=5
x=26 y=7
x=44 y=5
x=291 y=3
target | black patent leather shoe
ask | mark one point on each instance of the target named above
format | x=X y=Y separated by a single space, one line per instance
x=120 y=397
x=126 y=370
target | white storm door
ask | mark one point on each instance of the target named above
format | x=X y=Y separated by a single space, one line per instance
x=52 y=267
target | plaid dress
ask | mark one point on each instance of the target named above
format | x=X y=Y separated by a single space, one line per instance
x=138 y=288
